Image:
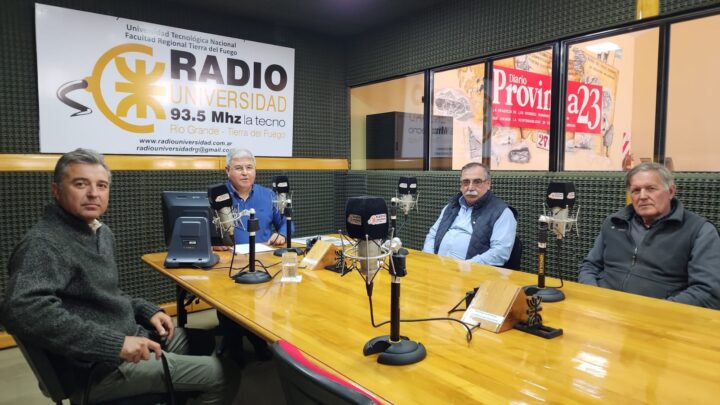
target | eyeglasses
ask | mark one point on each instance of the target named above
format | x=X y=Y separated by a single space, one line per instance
x=475 y=182
x=247 y=168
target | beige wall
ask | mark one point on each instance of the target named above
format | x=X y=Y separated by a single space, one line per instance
x=634 y=111
x=645 y=84
x=693 y=138
x=403 y=95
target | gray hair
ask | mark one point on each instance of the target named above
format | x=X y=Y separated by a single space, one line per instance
x=476 y=164
x=238 y=153
x=665 y=175
x=79 y=155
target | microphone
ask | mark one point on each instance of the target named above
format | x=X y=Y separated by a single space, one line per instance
x=282 y=202
x=560 y=200
x=248 y=275
x=366 y=221
x=408 y=195
x=225 y=218
x=281 y=189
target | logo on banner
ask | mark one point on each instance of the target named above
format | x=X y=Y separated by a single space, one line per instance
x=137 y=88
x=522 y=99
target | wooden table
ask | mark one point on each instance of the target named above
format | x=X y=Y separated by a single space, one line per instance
x=616 y=347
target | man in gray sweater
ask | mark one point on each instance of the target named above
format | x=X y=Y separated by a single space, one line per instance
x=63 y=295
x=655 y=247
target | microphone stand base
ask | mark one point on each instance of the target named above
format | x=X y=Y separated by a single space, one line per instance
x=252 y=277
x=401 y=353
x=548 y=294
x=279 y=252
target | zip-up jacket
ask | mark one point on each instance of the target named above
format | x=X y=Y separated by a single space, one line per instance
x=678 y=259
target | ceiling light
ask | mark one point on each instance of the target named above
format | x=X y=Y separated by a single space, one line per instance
x=603 y=47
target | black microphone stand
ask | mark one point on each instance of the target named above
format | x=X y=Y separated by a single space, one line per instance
x=548 y=294
x=394 y=349
x=393 y=218
x=247 y=274
x=288 y=225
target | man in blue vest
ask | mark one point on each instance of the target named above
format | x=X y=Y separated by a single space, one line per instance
x=655 y=247
x=474 y=225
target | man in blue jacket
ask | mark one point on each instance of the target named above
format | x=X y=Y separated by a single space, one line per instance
x=240 y=169
x=474 y=225
x=655 y=247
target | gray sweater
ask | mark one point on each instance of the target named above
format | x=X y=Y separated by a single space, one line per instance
x=63 y=291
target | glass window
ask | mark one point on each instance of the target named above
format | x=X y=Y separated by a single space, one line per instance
x=692 y=141
x=386 y=124
x=610 y=109
x=520 y=97
x=458 y=116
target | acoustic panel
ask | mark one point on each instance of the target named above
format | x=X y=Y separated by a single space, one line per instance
x=135 y=215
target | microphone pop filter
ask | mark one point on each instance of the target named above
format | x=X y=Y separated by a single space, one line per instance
x=219 y=196
x=407 y=185
x=561 y=195
x=366 y=216
x=280 y=184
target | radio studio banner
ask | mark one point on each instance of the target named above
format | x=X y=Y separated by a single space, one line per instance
x=522 y=99
x=121 y=86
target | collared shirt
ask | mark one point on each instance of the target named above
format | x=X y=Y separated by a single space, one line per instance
x=638 y=230
x=260 y=199
x=457 y=239
x=95 y=225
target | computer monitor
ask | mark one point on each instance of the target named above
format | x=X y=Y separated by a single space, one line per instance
x=176 y=204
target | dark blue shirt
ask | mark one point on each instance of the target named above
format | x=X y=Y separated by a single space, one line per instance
x=261 y=199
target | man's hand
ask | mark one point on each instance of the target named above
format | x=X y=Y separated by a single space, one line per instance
x=137 y=348
x=276 y=240
x=163 y=325
x=221 y=248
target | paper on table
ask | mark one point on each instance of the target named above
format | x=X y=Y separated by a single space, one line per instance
x=304 y=240
x=244 y=248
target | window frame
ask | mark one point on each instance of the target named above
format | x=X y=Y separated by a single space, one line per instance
x=560 y=49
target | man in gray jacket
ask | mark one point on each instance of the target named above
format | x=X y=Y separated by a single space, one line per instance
x=655 y=247
x=63 y=296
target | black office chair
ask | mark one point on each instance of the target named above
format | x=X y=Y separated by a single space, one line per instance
x=515 y=258
x=58 y=385
x=305 y=383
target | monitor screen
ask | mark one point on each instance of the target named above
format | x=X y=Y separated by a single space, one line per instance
x=176 y=204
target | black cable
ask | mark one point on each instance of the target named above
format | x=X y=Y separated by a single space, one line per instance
x=469 y=328
x=372 y=312
x=557 y=264
x=276 y=273
x=232 y=259
x=405 y=219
